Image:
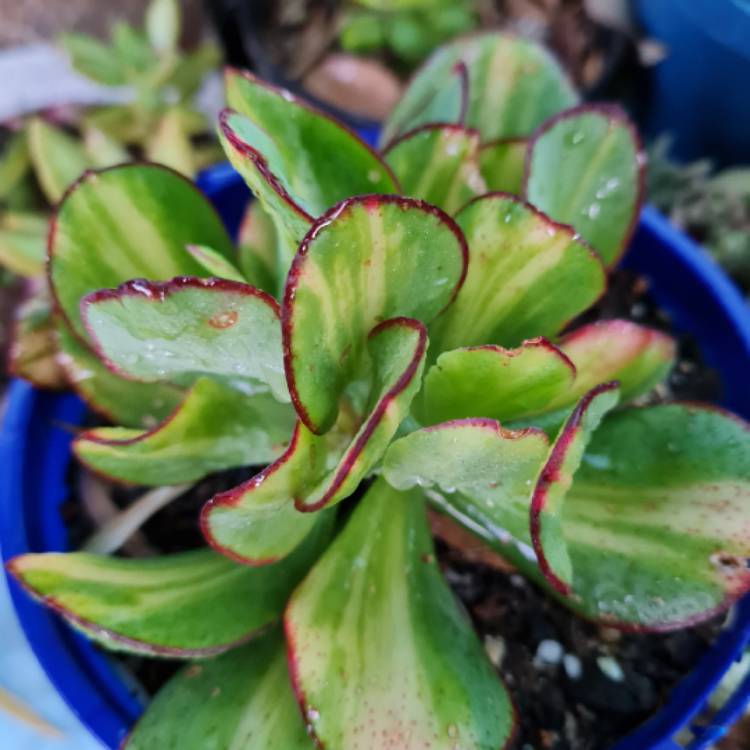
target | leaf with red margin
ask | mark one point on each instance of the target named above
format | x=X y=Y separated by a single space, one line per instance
x=124 y=402
x=555 y=479
x=513 y=86
x=528 y=276
x=369 y=259
x=585 y=167
x=180 y=329
x=297 y=161
x=257 y=521
x=381 y=656
x=489 y=381
x=187 y=605
x=438 y=164
x=502 y=164
x=636 y=356
x=214 y=428
x=476 y=463
x=127 y=222
x=239 y=700
x=397 y=348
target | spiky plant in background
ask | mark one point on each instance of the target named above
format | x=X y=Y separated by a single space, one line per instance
x=414 y=357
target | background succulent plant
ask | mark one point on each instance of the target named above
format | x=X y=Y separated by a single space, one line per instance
x=412 y=357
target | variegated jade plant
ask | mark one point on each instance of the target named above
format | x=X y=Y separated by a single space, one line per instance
x=392 y=330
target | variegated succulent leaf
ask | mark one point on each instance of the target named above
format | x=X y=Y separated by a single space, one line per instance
x=185 y=605
x=242 y=699
x=380 y=655
x=178 y=330
x=513 y=85
x=296 y=160
x=368 y=260
x=585 y=168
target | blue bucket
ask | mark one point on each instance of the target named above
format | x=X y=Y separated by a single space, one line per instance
x=699 y=91
x=35 y=455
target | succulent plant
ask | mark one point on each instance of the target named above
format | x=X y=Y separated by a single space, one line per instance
x=41 y=158
x=395 y=331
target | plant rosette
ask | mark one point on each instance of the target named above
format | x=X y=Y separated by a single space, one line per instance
x=393 y=328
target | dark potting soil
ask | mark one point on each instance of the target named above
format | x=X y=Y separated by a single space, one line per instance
x=576 y=686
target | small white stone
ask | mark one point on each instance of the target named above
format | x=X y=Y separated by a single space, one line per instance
x=611 y=668
x=572 y=665
x=495 y=648
x=548 y=652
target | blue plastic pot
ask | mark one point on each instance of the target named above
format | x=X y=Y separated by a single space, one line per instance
x=699 y=91
x=35 y=455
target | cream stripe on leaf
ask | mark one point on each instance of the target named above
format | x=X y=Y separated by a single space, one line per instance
x=214 y=428
x=438 y=164
x=527 y=276
x=585 y=169
x=181 y=329
x=258 y=521
x=239 y=701
x=502 y=164
x=381 y=656
x=513 y=86
x=191 y=604
x=369 y=259
x=131 y=221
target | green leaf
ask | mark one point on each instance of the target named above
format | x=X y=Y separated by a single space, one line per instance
x=257 y=523
x=102 y=150
x=23 y=241
x=258 y=520
x=191 y=604
x=124 y=402
x=180 y=329
x=513 y=86
x=239 y=700
x=404 y=258
x=163 y=24
x=485 y=471
x=191 y=68
x=14 y=163
x=132 y=48
x=489 y=381
x=502 y=164
x=170 y=144
x=397 y=348
x=585 y=169
x=439 y=164
x=214 y=263
x=556 y=477
x=527 y=277
x=636 y=356
x=127 y=222
x=58 y=159
x=93 y=59
x=297 y=161
x=656 y=522
x=381 y=654
x=214 y=428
